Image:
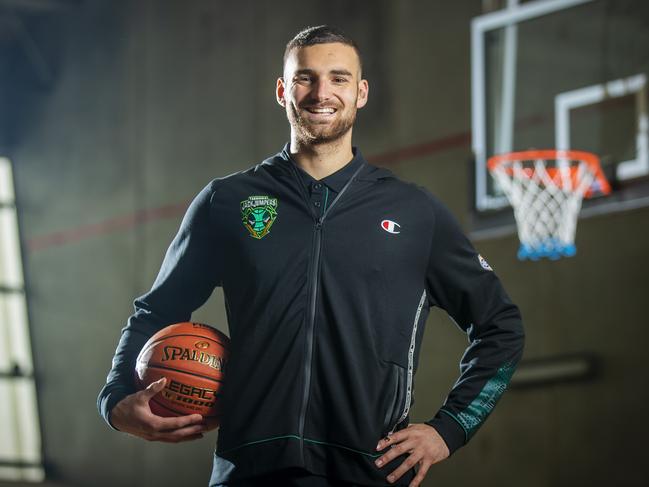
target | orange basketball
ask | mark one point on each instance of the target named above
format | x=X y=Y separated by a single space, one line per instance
x=192 y=357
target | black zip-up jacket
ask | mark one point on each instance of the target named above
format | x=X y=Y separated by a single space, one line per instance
x=326 y=313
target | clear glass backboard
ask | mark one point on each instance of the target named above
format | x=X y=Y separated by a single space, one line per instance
x=564 y=74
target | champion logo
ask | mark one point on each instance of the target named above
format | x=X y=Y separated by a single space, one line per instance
x=390 y=226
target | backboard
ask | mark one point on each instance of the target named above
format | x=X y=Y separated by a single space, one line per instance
x=563 y=74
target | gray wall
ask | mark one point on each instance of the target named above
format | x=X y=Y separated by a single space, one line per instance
x=149 y=100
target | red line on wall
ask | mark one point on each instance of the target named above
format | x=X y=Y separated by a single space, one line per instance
x=116 y=224
x=420 y=150
x=126 y=222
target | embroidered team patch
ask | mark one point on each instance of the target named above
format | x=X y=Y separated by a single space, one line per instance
x=258 y=213
x=485 y=265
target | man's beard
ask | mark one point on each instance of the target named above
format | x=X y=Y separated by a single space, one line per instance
x=314 y=133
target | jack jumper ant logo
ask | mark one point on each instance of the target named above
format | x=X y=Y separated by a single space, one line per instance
x=258 y=213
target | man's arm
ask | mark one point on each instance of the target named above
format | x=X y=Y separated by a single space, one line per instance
x=189 y=273
x=461 y=282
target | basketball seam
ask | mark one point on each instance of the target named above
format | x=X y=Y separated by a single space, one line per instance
x=179 y=412
x=158 y=340
x=162 y=367
x=167 y=407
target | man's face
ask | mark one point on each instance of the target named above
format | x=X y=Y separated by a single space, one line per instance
x=321 y=91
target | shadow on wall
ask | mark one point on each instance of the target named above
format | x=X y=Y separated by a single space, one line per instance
x=32 y=43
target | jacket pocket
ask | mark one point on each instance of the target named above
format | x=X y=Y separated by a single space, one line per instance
x=397 y=406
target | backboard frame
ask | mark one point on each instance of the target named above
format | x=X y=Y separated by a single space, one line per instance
x=510 y=16
x=631 y=176
x=591 y=95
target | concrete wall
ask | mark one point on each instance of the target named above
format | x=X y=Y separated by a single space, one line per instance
x=149 y=100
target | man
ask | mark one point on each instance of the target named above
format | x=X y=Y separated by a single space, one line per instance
x=329 y=267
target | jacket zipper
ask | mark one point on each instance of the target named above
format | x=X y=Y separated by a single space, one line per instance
x=310 y=330
x=315 y=269
x=411 y=361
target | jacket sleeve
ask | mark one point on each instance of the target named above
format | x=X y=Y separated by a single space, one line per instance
x=461 y=282
x=188 y=275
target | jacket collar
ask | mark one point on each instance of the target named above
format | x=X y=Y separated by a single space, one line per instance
x=337 y=180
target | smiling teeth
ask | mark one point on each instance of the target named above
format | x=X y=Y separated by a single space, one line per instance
x=321 y=110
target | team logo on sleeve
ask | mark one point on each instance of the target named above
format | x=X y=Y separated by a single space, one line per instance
x=485 y=265
x=258 y=213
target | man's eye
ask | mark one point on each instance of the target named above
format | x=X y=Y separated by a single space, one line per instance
x=340 y=80
x=304 y=78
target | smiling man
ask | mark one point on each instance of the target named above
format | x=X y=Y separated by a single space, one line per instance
x=321 y=90
x=329 y=267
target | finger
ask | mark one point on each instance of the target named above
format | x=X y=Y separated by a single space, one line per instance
x=396 y=450
x=180 y=434
x=163 y=424
x=152 y=389
x=391 y=439
x=407 y=464
x=421 y=474
x=181 y=440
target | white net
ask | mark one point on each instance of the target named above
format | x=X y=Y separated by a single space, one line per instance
x=546 y=189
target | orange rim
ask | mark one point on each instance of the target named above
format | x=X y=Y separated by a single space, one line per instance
x=553 y=154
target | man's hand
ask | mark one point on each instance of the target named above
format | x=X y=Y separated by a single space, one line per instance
x=133 y=415
x=422 y=442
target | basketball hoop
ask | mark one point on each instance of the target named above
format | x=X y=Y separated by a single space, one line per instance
x=545 y=188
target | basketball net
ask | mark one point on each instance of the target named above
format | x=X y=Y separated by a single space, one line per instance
x=546 y=188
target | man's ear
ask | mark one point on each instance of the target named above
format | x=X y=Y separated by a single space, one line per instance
x=279 y=92
x=363 y=92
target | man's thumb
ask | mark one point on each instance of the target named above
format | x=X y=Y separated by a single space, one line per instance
x=153 y=388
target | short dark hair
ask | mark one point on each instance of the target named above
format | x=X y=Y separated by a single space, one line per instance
x=321 y=34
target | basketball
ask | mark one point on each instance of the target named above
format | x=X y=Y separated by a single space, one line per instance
x=192 y=357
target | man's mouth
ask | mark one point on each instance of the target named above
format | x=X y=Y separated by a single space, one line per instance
x=321 y=110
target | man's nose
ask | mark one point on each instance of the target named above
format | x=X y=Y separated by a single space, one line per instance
x=322 y=90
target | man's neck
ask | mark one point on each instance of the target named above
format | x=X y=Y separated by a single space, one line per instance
x=321 y=160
